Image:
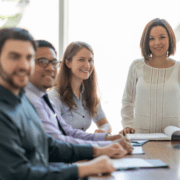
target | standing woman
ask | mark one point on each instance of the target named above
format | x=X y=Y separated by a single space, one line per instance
x=75 y=95
x=151 y=99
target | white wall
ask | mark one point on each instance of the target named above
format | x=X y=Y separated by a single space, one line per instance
x=113 y=28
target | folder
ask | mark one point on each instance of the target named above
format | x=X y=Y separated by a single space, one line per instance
x=137 y=163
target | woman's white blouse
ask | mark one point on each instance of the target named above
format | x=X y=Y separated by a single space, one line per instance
x=151 y=99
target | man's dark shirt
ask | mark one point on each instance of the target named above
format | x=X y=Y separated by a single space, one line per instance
x=26 y=150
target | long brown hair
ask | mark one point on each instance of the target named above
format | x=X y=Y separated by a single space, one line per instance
x=144 y=44
x=64 y=80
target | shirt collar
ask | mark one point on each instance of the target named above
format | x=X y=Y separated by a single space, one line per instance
x=8 y=96
x=31 y=87
x=83 y=90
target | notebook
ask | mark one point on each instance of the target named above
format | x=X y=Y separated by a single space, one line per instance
x=170 y=133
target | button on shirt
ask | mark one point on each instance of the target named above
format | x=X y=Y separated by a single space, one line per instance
x=78 y=118
x=51 y=125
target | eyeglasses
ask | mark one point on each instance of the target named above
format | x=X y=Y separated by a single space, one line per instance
x=43 y=62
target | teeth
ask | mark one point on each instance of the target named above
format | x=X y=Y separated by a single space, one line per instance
x=84 y=71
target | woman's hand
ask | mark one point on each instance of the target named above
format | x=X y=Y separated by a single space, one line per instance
x=127 y=130
x=99 y=131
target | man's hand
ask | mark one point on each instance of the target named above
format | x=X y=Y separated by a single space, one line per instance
x=99 y=131
x=126 y=144
x=127 y=130
x=100 y=165
x=113 y=137
x=114 y=150
x=123 y=141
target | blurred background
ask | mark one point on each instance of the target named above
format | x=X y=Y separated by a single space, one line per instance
x=112 y=27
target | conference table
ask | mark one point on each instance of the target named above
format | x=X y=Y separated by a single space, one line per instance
x=162 y=150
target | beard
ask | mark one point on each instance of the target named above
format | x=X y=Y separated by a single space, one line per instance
x=8 y=78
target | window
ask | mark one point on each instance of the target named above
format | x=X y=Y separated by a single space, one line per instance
x=113 y=29
x=40 y=17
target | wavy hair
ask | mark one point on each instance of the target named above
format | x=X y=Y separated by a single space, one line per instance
x=64 y=80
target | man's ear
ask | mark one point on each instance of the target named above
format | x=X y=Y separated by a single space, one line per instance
x=68 y=63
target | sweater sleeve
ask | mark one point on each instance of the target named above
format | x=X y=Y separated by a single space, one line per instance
x=128 y=99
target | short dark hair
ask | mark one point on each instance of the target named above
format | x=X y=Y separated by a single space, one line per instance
x=44 y=43
x=144 y=44
x=16 y=34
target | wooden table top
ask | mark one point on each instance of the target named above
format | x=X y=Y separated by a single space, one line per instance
x=162 y=150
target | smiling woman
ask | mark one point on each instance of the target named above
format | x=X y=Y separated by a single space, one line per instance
x=76 y=93
x=81 y=66
x=151 y=99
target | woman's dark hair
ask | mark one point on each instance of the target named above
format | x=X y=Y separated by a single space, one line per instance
x=144 y=44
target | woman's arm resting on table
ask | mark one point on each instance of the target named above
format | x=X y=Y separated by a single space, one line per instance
x=103 y=126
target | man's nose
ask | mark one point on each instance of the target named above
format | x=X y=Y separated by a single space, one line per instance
x=50 y=67
x=24 y=63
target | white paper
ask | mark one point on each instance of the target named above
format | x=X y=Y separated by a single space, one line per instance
x=130 y=162
x=169 y=130
x=137 y=150
x=152 y=136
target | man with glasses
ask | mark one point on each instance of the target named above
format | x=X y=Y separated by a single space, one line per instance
x=43 y=78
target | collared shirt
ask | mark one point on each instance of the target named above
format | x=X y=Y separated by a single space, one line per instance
x=51 y=125
x=26 y=150
x=78 y=118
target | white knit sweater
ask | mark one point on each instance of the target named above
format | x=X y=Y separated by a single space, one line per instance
x=151 y=99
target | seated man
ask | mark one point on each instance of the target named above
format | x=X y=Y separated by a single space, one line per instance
x=25 y=149
x=46 y=65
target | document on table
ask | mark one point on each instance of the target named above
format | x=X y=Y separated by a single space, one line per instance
x=135 y=163
x=170 y=133
x=138 y=150
x=138 y=142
